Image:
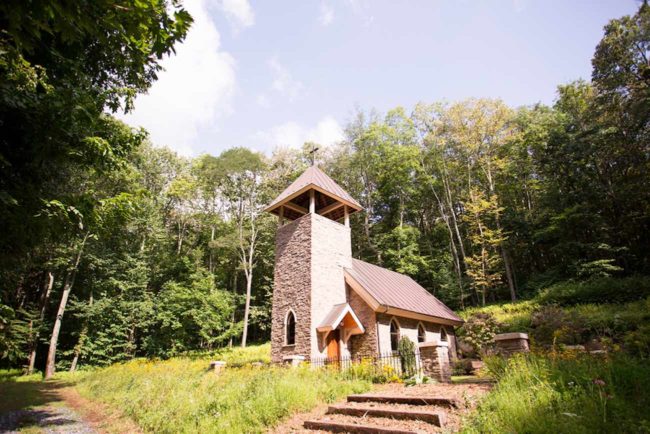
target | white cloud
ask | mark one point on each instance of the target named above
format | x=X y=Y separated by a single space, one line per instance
x=361 y=8
x=239 y=12
x=326 y=14
x=194 y=90
x=283 y=81
x=326 y=132
x=263 y=101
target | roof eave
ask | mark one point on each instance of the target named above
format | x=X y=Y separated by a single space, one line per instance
x=274 y=205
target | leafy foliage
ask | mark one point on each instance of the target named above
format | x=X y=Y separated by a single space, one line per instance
x=406 y=351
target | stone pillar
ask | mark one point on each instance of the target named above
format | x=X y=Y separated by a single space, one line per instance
x=217 y=366
x=510 y=343
x=434 y=357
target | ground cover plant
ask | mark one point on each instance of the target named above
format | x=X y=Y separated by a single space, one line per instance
x=183 y=395
x=568 y=394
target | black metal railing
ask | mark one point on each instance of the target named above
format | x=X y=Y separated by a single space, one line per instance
x=385 y=366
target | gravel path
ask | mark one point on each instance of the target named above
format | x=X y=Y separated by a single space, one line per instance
x=50 y=419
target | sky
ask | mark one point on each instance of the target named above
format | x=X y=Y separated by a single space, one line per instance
x=267 y=74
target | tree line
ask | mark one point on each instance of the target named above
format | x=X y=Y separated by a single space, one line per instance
x=113 y=248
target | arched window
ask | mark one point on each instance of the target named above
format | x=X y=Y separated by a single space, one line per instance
x=394 y=334
x=443 y=334
x=290 y=329
x=422 y=333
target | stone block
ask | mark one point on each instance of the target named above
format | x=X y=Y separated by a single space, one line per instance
x=510 y=343
x=434 y=357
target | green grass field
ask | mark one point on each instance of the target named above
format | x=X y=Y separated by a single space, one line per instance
x=569 y=394
x=182 y=395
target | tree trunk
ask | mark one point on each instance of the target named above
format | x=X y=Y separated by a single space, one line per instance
x=249 y=284
x=45 y=297
x=232 y=317
x=67 y=287
x=508 y=267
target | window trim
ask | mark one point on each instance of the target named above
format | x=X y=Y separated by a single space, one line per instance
x=424 y=329
x=444 y=336
x=286 y=328
x=399 y=333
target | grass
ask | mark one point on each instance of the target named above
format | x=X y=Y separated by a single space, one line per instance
x=182 y=395
x=542 y=394
x=517 y=316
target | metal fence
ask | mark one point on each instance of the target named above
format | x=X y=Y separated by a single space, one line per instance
x=387 y=365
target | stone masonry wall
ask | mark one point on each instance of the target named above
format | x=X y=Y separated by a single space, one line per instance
x=435 y=361
x=364 y=345
x=292 y=288
x=331 y=250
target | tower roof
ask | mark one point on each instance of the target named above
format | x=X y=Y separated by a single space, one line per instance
x=330 y=197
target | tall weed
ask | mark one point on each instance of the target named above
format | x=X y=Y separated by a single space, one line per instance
x=542 y=394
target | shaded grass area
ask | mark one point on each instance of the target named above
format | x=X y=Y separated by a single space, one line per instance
x=517 y=316
x=19 y=394
x=542 y=394
x=182 y=395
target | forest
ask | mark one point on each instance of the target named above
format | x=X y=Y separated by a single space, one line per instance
x=114 y=247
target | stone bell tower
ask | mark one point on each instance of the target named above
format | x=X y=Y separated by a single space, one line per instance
x=312 y=248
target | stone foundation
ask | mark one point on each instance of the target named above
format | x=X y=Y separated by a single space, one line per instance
x=510 y=343
x=435 y=360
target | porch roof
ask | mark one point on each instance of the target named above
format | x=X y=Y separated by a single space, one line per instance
x=338 y=314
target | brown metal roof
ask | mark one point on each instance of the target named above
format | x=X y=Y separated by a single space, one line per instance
x=399 y=291
x=315 y=177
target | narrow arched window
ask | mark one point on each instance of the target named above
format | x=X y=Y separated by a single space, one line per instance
x=394 y=335
x=422 y=333
x=443 y=334
x=290 y=329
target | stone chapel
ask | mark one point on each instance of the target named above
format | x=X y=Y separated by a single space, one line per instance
x=326 y=304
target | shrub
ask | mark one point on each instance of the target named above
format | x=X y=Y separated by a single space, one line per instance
x=406 y=351
x=553 y=325
x=478 y=331
x=461 y=367
x=601 y=290
x=637 y=342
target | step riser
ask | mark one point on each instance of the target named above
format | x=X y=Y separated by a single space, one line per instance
x=432 y=418
x=443 y=402
x=343 y=427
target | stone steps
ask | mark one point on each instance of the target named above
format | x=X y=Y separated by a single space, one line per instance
x=431 y=417
x=410 y=400
x=383 y=414
x=346 y=427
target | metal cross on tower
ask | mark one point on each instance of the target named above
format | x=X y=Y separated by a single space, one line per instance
x=312 y=154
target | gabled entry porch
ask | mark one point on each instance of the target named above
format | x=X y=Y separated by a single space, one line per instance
x=336 y=329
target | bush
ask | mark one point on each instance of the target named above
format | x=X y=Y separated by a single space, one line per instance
x=406 y=351
x=478 y=331
x=553 y=325
x=538 y=394
x=637 y=342
x=602 y=290
x=461 y=367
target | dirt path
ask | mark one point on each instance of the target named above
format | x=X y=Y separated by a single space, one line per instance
x=38 y=407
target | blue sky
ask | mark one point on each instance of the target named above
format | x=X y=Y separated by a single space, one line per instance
x=264 y=74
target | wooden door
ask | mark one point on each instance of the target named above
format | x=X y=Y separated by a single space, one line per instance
x=333 y=345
